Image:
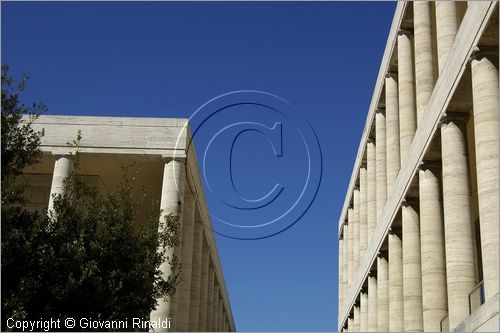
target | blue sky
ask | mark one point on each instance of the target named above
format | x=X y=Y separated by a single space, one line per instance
x=167 y=59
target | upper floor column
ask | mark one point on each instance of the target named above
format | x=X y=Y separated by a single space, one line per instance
x=424 y=55
x=363 y=191
x=392 y=129
x=371 y=187
x=446 y=29
x=381 y=161
x=407 y=104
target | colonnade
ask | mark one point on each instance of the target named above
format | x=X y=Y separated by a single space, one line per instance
x=200 y=302
x=433 y=255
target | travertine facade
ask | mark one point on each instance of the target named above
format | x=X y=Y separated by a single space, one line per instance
x=163 y=152
x=418 y=234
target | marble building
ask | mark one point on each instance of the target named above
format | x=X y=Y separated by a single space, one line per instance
x=163 y=152
x=419 y=229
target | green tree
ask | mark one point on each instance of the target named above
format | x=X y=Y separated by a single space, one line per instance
x=20 y=143
x=91 y=258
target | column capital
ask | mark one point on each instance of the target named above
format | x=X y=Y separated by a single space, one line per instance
x=391 y=74
x=356 y=188
x=362 y=165
x=429 y=165
x=58 y=155
x=453 y=116
x=483 y=52
x=408 y=32
x=409 y=202
x=370 y=139
x=168 y=158
x=380 y=110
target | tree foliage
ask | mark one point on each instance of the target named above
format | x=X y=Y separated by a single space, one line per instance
x=91 y=257
x=20 y=143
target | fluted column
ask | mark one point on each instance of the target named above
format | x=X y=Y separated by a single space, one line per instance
x=392 y=130
x=424 y=55
x=345 y=271
x=184 y=295
x=446 y=29
x=210 y=298
x=363 y=311
x=205 y=257
x=350 y=246
x=372 y=188
x=458 y=223
x=356 y=319
x=372 y=304
x=412 y=274
x=363 y=237
x=356 y=231
x=382 y=294
x=380 y=157
x=485 y=101
x=407 y=104
x=62 y=169
x=396 y=314
x=434 y=294
x=194 y=304
x=171 y=202
x=350 y=324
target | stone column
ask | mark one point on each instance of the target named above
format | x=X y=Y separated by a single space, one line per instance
x=392 y=130
x=205 y=257
x=350 y=246
x=363 y=324
x=382 y=294
x=345 y=271
x=194 y=304
x=458 y=225
x=62 y=169
x=446 y=29
x=372 y=189
x=341 y=275
x=184 y=287
x=215 y=316
x=350 y=324
x=380 y=157
x=407 y=104
x=356 y=319
x=434 y=295
x=172 y=199
x=362 y=211
x=424 y=55
x=356 y=232
x=485 y=101
x=396 y=314
x=210 y=298
x=412 y=273
x=372 y=304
